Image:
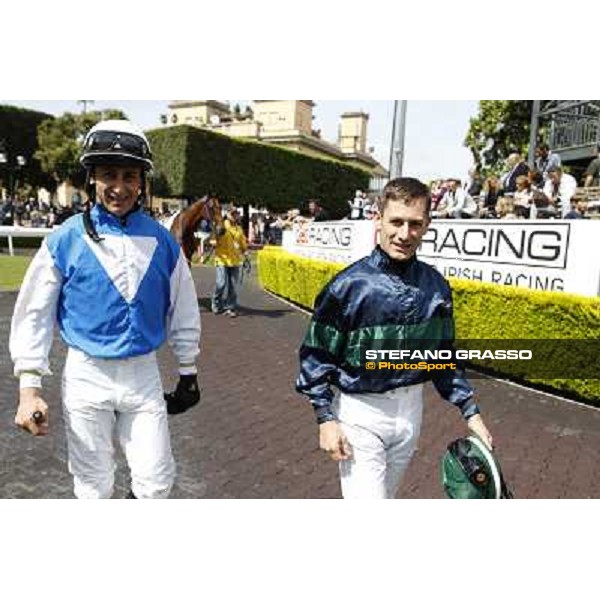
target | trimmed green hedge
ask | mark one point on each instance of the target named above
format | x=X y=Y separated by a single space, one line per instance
x=190 y=161
x=482 y=311
x=293 y=277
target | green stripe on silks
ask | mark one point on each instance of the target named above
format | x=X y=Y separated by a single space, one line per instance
x=347 y=346
x=426 y=335
x=326 y=337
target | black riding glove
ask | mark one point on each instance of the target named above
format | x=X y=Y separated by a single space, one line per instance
x=186 y=395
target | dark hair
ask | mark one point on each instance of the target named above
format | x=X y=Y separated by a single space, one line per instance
x=536 y=176
x=407 y=190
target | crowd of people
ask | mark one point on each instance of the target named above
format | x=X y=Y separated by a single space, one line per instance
x=544 y=191
x=33 y=212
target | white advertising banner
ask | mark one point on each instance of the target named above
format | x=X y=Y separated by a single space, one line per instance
x=555 y=255
x=333 y=241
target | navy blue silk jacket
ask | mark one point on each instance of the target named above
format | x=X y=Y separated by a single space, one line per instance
x=378 y=298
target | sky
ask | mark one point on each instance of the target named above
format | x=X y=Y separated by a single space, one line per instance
x=435 y=129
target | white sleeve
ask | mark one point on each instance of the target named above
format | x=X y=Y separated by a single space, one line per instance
x=570 y=188
x=34 y=317
x=184 y=316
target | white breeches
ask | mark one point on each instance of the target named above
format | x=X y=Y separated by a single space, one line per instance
x=383 y=430
x=123 y=396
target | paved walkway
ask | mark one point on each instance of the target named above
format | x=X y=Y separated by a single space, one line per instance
x=252 y=436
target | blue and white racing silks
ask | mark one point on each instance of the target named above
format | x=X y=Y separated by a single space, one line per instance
x=117 y=298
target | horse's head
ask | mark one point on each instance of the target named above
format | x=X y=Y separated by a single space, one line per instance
x=215 y=216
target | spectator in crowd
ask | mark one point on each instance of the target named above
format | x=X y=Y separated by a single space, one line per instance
x=275 y=229
x=438 y=190
x=51 y=220
x=560 y=188
x=20 y=212
x=316 y=211
x=371 y=425
x=62 y=214
x=254 y=230
x=505 y=208
x=357 y=205
x=592 y=173
x=118 y=286
x=578 y=209
x=7 y=212
x=474 y=184
x=230 y=251
x=545 y=160
x=456 y=203
x=516 y=167
x=491 y=192
x=370 y=210
x=542 y=208
x=523 y=198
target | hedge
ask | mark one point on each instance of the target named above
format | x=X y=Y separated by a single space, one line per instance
x=190 y=161
x=482 y=311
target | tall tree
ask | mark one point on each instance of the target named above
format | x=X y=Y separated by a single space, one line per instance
x=18 y=137
x=60 y=141
x=501 y=127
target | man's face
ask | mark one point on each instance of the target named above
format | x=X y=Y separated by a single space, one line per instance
x=118 y=188
x=401 y=228
x=554 y=177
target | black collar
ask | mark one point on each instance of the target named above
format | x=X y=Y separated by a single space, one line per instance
x=383 y=261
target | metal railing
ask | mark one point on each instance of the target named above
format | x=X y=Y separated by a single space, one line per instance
x=16 y=231
x=573 y=134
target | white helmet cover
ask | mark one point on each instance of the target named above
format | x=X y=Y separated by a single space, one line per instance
x=116 y=142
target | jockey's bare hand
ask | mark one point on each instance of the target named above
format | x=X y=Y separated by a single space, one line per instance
x=333 y=441
x=32 y=413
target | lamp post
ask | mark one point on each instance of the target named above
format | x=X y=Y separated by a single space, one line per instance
x=11 y=166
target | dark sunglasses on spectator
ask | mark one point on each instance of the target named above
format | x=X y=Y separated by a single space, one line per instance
x=112 y=140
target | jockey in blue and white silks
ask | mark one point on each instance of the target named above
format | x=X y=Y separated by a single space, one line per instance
x=117 y=286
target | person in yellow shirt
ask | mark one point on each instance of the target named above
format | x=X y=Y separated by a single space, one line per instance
x=230 y=252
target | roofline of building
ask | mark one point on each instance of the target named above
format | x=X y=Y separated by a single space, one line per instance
x=309 y=102
x=355 y=114
x=192 y=103
x=325 y=145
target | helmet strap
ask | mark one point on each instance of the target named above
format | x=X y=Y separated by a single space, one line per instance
x=90 y=188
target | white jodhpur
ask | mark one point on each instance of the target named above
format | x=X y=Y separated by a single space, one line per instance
x=383 y=430
x=104 y=397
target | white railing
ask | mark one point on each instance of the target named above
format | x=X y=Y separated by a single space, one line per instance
x=10 y=232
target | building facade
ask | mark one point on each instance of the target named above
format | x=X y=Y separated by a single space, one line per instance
x=286 y=123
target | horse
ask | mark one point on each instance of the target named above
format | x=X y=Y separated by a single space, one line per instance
x=184 y=224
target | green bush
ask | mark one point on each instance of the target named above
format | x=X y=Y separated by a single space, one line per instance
x=482 y=312
x=293 y=277
x=190 y=161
